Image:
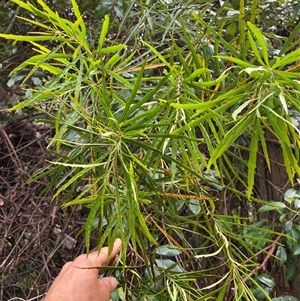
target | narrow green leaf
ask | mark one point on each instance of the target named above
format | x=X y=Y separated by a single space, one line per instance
x=111 y=49
x=104 y=31
x=147 y=96
x=133 y=93
x=191 y=45
x=253 y=155
x=76 y=9
x=45 y=37
x=230 y=138
x=239 y=62
x=211 y=83
x=79 y=19
x=72 y=180
x=279 y=126
x=23 y=4
x=254 y=48
x=81 y=201
x=157 y=53
x=215 y=34
x=38 y=24
x=79 y=80
x=197 y=73
x=265 y=149
x=242 y=26
x=91 y=217
x=288 y=59
x=112 y=61
x=289 y=41
x=239 y=109
x=261 y=39
x=283 y=102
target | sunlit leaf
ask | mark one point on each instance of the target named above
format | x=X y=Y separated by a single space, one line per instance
x=261 y=39
x=230 y=138
x=104 y=31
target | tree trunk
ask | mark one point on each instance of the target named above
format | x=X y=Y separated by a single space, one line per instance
x=271 y=186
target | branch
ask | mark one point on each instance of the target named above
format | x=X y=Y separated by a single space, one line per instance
x=12 y=22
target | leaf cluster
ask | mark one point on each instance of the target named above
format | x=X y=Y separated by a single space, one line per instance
x=151 y=138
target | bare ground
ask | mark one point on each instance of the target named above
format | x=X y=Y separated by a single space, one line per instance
x=36 y=236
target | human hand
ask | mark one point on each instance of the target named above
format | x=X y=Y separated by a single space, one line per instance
x=76 y=284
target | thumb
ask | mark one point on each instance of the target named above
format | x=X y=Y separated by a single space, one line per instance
x=107 y=285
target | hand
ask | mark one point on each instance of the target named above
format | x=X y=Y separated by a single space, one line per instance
x=76 y=284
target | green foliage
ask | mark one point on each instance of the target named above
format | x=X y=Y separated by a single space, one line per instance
x=149 y=137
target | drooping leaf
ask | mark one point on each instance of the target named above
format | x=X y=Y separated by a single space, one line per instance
x=230 y=138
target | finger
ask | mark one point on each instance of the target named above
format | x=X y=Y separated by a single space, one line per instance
x=106 y=286
x=96 y=259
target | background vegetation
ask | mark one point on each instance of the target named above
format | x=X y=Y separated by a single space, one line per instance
x=176 y=123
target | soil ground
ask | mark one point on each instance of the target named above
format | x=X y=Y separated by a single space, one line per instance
x=36 y=236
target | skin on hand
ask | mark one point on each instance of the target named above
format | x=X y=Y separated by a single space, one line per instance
x=76 y=284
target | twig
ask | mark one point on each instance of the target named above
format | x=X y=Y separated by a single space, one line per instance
x=14 y=157
x=13 y=21
x=265 y=261
x=270 y=253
